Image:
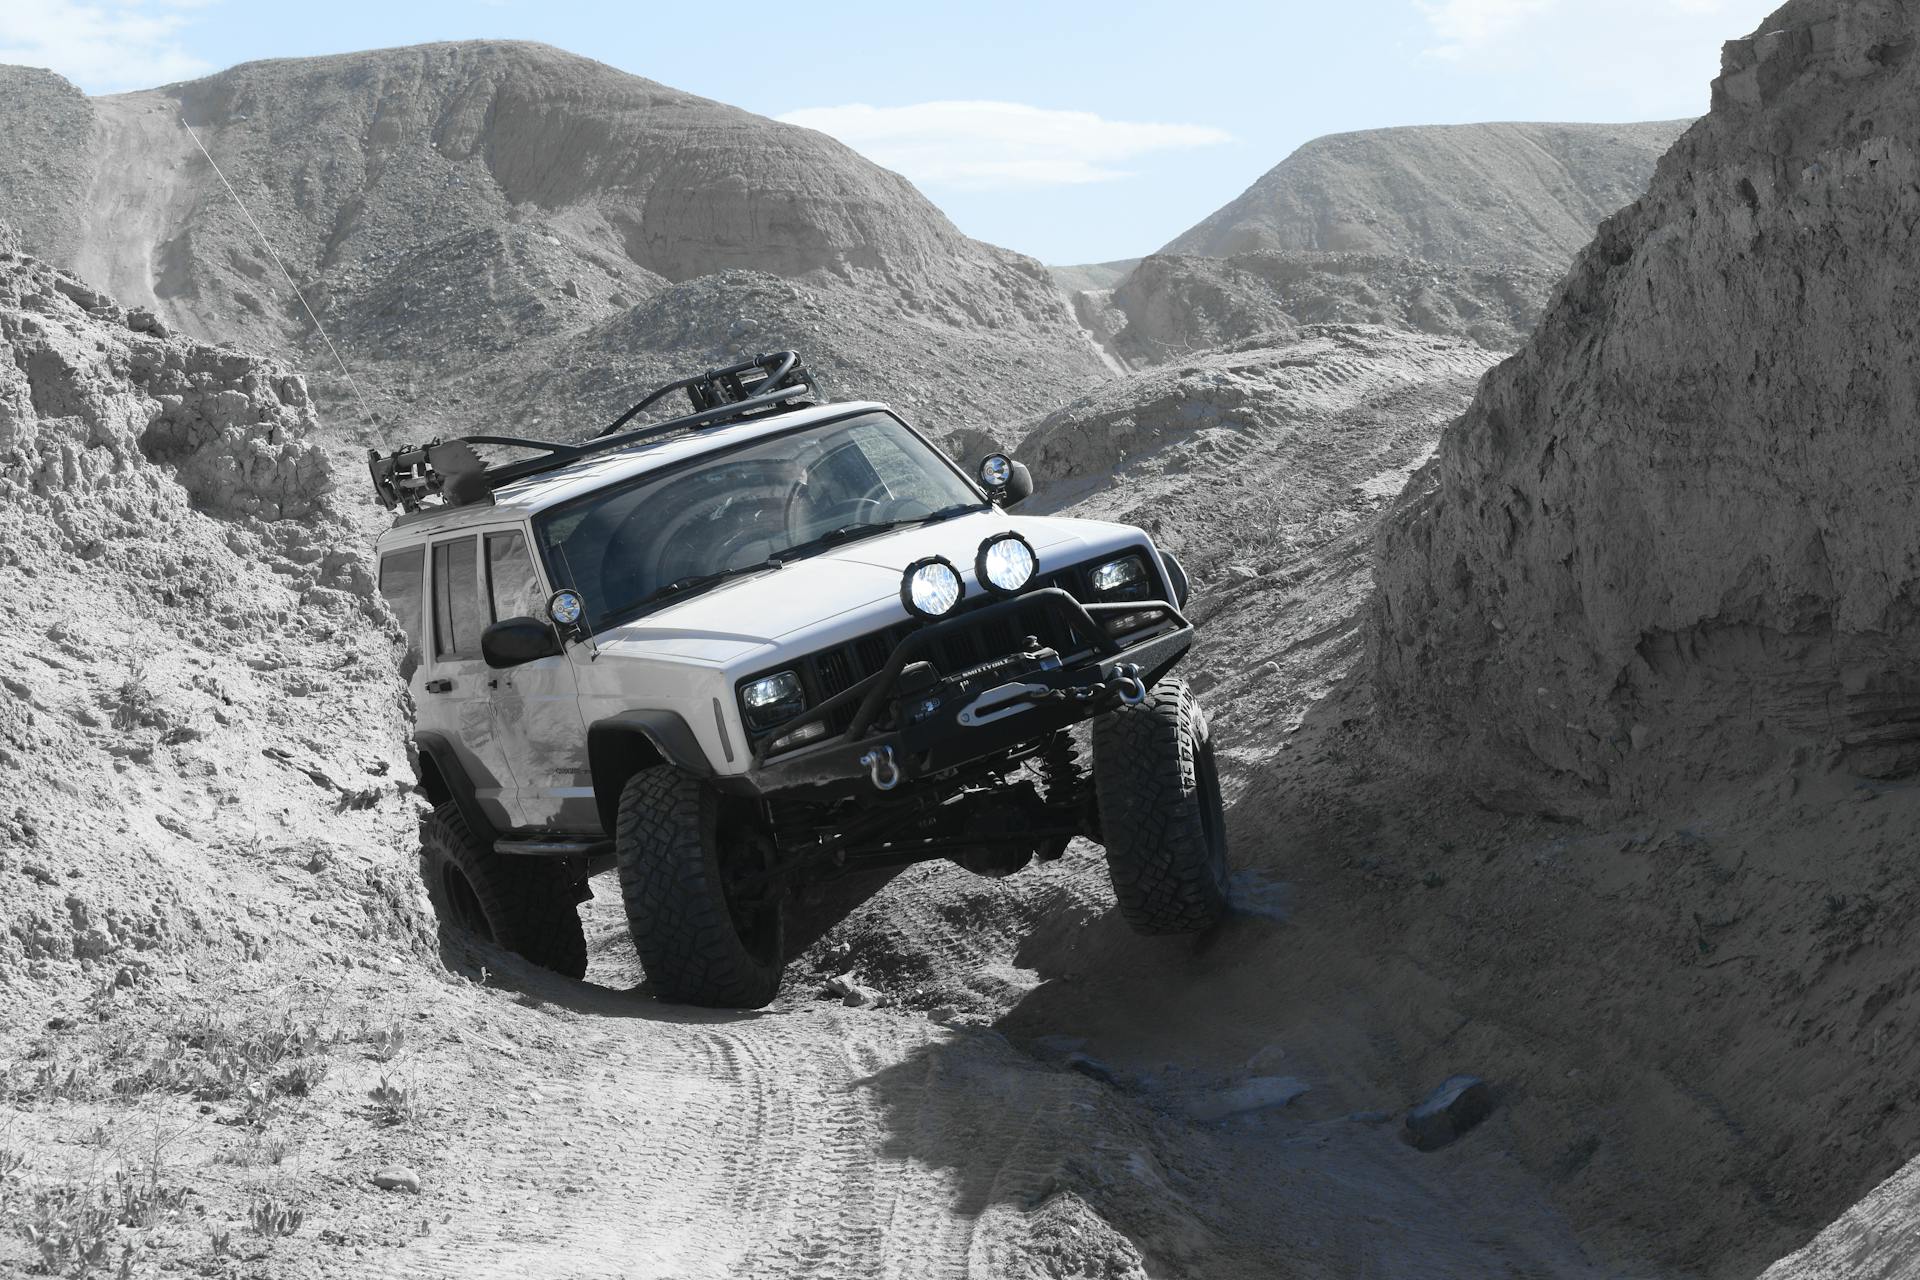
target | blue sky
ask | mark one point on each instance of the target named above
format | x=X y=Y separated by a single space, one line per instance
x=1072 y=131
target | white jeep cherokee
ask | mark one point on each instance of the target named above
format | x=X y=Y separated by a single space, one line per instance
x=769 y=643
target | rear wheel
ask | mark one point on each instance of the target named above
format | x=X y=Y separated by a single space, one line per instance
x=706 y=933
x=526 y=905
x=1161 y=813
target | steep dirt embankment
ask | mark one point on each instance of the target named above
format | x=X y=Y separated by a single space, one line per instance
x=1264 y=467
x=478 y=209
x=1627 y=782
x=1673 y=540
x=1523 y=195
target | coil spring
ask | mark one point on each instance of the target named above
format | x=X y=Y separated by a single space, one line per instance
x=1063 y=782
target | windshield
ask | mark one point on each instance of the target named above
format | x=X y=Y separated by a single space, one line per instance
x=746 y=509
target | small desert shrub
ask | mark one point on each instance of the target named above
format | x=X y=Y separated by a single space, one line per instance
x=259 y=1149
x=143 y=1201
x=71 y=1228
x=132 y=705
x=56 y=1077
x=385 y=1041
x=300 y=1079
x=252 y=1062
x=270 y=1218
x=397 y=1102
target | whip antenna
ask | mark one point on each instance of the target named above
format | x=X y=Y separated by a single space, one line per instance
x=318 y=328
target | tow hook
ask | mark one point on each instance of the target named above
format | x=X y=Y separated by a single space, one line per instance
x=880 y=767
x=1127 y=683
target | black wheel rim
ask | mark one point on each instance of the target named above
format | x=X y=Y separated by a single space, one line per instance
x=464 y=902
x=753 y=907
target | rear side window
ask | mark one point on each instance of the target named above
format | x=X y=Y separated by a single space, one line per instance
x=513 y=587
x=400 y=584
x=456 y=599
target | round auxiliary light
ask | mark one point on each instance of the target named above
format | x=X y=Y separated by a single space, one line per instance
x=1006 y=563
x=565 y=607
x=995 y=470
x=931 y=587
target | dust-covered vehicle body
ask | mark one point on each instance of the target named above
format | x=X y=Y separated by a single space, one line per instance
x=769 y=643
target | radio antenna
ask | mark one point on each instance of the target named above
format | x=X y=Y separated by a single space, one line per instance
x=372 y=423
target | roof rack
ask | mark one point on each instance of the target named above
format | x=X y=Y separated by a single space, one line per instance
x=450 y=469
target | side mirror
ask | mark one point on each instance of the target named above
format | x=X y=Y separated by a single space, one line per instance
x=1008 y=483
x=512 y=641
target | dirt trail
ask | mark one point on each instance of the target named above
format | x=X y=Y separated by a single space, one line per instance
x=956 y=1132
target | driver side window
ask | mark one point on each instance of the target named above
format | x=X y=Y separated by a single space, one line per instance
x=513 y=588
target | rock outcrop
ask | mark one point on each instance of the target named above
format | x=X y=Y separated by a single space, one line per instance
x=1674 y=539
x=93 y=395
x=1520 y=195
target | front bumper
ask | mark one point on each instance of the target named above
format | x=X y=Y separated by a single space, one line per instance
x=1033 y=702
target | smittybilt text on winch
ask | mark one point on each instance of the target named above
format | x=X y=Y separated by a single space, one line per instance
x=767 y=643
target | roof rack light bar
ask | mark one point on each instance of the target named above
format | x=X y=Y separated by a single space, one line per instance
x=453 y=472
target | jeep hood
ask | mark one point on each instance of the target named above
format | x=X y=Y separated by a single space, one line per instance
x=720 y=625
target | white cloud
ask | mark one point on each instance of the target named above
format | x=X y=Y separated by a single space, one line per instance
x=1465 y=26
x=1654 y=56
x=104 y=46
x=980 y=145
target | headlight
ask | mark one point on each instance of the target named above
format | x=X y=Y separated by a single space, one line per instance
x=1123 y=579
x=772 y=699
x=930 y=587
x=1006 y=563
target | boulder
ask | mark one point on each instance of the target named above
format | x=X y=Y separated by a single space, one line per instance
x=1457 y=1105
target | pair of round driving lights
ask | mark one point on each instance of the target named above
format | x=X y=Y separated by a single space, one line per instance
x=1004 y=565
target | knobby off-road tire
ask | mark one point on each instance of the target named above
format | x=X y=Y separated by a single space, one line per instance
x=669 y=842
x=523 y=904
x=1158 y=792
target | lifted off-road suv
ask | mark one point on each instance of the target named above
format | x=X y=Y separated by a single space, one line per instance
x=768 y=643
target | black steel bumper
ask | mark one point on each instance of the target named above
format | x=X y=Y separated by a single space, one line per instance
x=1030 y=704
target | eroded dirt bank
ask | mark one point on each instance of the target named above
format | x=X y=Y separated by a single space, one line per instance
x=1653 y=601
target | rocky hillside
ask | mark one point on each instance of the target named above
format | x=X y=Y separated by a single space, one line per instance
x=446 y=205
x=1516 y=195
x=1457 y=230
x=1172 y=305
x=1672 y=540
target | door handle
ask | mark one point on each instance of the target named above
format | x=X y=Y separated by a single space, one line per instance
x=439 y=686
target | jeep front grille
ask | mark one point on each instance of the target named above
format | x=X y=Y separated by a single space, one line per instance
x=830 y=671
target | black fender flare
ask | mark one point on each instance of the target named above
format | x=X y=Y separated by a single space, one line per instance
x=1176 y=576
x=622 y=744
x=438 y=764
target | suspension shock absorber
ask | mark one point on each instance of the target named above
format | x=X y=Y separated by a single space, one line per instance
x=1066 y=785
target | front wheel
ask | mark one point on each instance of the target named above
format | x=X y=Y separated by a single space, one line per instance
x=706 y=931
x=1158 y=792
